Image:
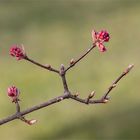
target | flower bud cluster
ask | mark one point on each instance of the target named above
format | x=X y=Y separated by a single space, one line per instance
x=18 y=52
x=13 y=93
x=99 y=38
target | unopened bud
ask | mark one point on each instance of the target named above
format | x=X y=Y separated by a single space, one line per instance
x=48 y=66
x=31 y=122
x=18 y=52
x=61 y=98
x=106 y=100
x=72 y=61
x=62 y=67
x=13 y=93
x=114 y=85
x=91 y=95
x=76 y=94
x=129 y=68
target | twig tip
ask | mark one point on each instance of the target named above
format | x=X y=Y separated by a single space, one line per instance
x=91 y=95
x=72 y=61
x=31 y=122
x=129 y=68
x=76 y=94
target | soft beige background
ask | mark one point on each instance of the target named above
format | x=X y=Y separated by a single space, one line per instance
x=54 y=31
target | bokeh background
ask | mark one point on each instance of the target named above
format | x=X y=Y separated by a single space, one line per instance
x=54 y=31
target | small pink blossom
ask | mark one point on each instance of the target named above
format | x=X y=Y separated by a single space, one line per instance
x=103 y=36
x=99 y=38
x=18 y=52
x=101 y=47
x=13 y=93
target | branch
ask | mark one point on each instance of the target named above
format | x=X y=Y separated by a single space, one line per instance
x=128 y=69
x=104 y=99
x=73 y=62
x=64 y=81
x=48 y=67
x=34 y=108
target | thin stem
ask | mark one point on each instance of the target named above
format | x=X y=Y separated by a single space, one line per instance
x=63 y=77
x=40 y=65
x=117 y=80
x=80 y=58
x=17 y=106
x=18 y=115
x=65 y=86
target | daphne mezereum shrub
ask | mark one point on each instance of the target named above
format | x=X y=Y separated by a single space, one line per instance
x=18 y=51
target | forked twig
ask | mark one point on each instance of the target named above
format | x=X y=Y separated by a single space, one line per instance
x=98 y=40
x=66 y=95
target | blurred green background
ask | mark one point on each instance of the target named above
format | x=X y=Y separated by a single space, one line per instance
x=54 y=31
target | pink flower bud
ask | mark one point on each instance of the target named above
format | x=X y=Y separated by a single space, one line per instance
x=103 y=36
x=101 y=47
x=13 y=93
x=99 y=38
x=17 y=52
